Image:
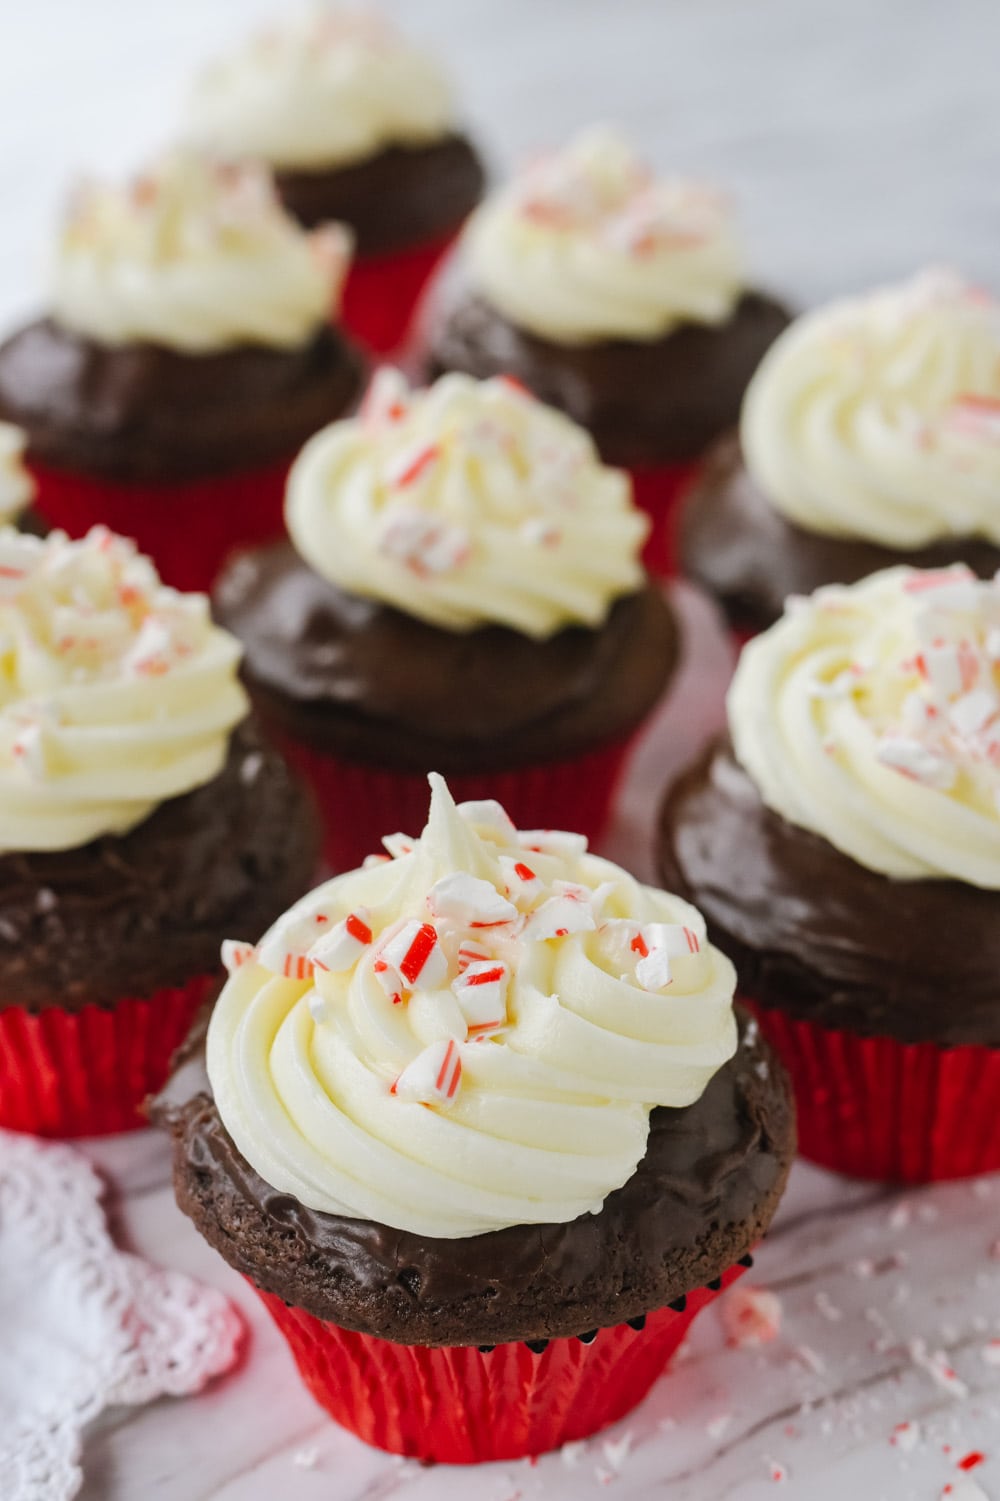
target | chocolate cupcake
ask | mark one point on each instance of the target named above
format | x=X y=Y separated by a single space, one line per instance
x=187 y=355
x=139 y=817
x=870 y=436
x=845 y=850
x=619 y=299
x=360 y=126
x=462 y=590
x=480 y=1126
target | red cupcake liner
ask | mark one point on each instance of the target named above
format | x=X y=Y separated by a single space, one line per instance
x=188 y=528
x=86 y=1072
x=464 y=1405
x=872 y=1107
x=358 y=804
x=657 y=492
x=382 y=291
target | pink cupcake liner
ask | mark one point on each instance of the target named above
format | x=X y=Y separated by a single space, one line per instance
x=464 y=1405
x=872 y=1107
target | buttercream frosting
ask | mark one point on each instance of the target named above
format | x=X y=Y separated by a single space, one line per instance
x=116 y=692
x=196 y=256
x=470 y=1033
x=16 y=485
x=466 y=504
x=870 y=714
x=879 y=416
x=320 y=88
x=586 y=245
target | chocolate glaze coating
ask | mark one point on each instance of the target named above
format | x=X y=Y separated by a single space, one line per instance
x=362 y=680
x=401 y=198
x=133 y=914
x=820 y=937
x=751 y=558
x=144 y=413
x=645 y=404
x=702 y=1197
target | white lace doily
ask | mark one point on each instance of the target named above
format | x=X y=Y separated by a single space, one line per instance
x=83 y=1325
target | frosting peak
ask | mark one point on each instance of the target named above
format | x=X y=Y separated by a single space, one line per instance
x=585 y=245
x=468 y=1033
x=16 y=485
x=879 y=416
x=195 y=256
x=870 y=714
x=467 y=504
x=116 y=693
x=319 y=89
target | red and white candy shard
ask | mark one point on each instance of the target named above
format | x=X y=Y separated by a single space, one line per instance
x=19 y=557
x=30 y=749
x=913 y=759
x=468 y=900
x=751 y=1316
x=415 y=958
x=523 y=884
x=552 y=842
x=657 y=944
x=285 y=950
x=398 y=845
x=423 y=544
x=342 y=945
x=481 y=992
x=235 y=954
x=434 y=1076
x=488 y=817
x=471 y=952
x=569 y=910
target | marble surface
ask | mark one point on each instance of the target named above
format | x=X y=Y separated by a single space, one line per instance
x=861 y=140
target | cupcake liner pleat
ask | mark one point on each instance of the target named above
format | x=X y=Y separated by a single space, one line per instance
x=464 y=1405
x=872 y=1107
x=188 y=528
x=382 y=291
x=359 y=804
x=657 y=491
x=87 y=1072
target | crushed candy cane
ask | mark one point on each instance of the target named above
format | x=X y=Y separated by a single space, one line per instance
x=751 y=1316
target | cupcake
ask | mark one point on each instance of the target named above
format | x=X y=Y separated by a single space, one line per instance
x=186 y=357
x=870 y=437
x=360 y=126
x=140 y=818
x=462 y=590
x=480 y=1126
x=620 y=299
x=844 y=847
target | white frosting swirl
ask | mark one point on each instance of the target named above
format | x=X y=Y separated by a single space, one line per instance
x=879 y=416
x=871 y=715
x=16 y=485
x=478 y=1032
x=115 y=692
x=466 y=504
x=320 y=88
x=195 y=256
x=585 y=245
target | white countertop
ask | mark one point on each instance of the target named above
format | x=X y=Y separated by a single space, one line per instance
x=862 y=138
